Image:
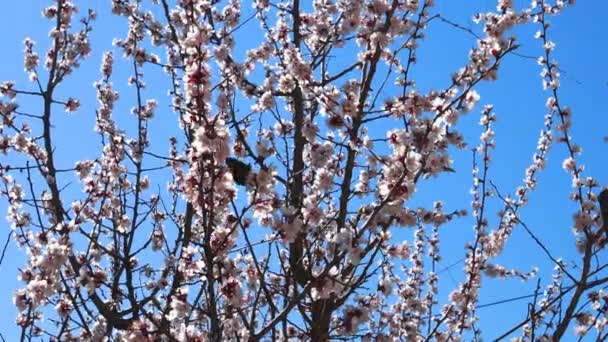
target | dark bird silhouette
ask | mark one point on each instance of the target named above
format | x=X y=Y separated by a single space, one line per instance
x=240 y=171
x=603 y=199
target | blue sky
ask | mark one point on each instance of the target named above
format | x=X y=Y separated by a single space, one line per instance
x=517 y=97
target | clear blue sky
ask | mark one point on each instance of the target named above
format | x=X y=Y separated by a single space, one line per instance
x=518 y=98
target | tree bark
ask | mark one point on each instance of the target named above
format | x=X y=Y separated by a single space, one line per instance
x=321 y=319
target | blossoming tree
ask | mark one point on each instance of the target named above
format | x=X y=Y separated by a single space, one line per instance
x=272 y=215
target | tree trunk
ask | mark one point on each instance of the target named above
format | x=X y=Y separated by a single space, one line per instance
x=321 y=319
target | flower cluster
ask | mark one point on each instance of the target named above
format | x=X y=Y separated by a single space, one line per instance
x=279 y=209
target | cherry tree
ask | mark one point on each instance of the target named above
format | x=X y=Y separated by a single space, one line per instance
x=270 y=210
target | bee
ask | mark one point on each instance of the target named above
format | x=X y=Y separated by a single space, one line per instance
x=240 y=171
